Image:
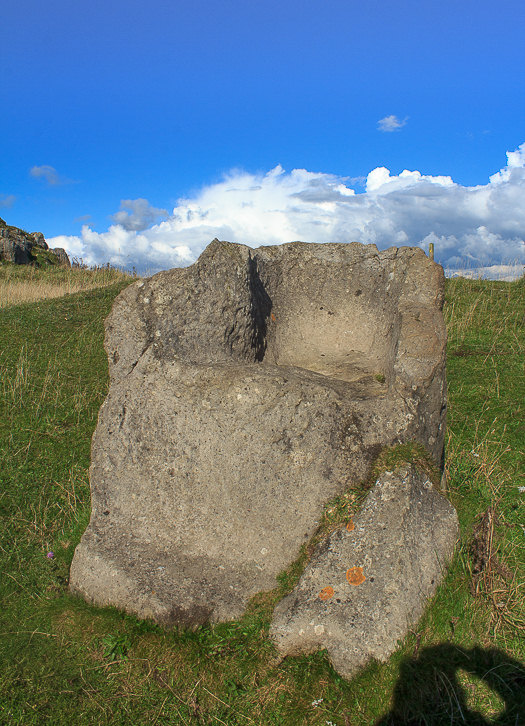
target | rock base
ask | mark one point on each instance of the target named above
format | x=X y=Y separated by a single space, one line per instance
x=368 y=583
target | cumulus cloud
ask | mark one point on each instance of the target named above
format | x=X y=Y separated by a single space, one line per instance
x=475 y=226
x=7 y=200
x=137 y=214
x=391 y=123
x=49 y=174
x=504 y=273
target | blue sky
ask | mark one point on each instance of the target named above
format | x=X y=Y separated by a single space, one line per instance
x=120 y=119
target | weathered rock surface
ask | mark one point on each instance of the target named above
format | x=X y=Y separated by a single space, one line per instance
x=62 y=256
x=246 y=391
x=18 y=247
x=368 y=584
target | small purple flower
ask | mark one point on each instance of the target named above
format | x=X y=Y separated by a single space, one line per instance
x=50 y=555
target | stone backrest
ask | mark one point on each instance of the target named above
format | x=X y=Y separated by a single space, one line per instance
x=343 y=310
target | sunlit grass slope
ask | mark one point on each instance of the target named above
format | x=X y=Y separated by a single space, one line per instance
x=24 y=283
x=65 y=662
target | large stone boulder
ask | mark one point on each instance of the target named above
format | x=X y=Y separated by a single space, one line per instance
x=245 y=392
x=368 y=583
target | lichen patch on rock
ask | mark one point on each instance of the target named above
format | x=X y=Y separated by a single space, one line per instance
x=355 y=576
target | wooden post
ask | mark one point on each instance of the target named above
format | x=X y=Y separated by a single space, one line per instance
x=431 y=250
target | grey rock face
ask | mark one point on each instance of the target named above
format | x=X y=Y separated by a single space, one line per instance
x=40 y=241
x=17 y=246
x=62 y=256
x=246 y=391
x=366 y=586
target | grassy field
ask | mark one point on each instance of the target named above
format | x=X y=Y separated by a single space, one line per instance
x=24 y=283
x=65 y=662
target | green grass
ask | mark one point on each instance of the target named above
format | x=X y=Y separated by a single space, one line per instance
x=66 y=662
x=27 y=283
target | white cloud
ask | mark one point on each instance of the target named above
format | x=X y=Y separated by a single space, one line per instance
x=7 y=200
x=515 y=164
x=380 y=179
x=49 y=174
x=137 y=214
x=475 y=226
x=505 y=273
x=391 y=123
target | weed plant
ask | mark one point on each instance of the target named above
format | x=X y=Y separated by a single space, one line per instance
x=64 y=661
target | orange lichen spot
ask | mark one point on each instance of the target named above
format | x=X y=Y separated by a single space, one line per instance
x=273 y=317
x=355 y=575
x=350 y=525
x=326 y=593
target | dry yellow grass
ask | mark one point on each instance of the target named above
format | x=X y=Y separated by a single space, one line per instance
x=27 y=284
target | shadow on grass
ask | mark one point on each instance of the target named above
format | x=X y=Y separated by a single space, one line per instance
x=446 y=684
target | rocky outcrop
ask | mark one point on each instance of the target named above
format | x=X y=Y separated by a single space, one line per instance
x=25 y=248
x=368 y=583
x=246 y=391
x=62 y=256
